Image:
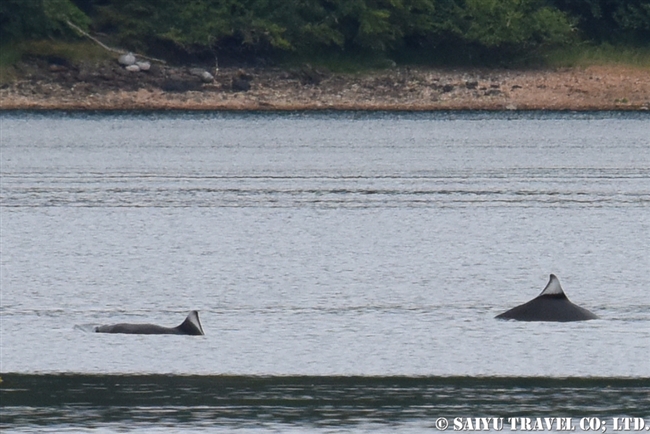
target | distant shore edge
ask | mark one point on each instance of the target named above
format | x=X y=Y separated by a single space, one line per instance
x=107 y=88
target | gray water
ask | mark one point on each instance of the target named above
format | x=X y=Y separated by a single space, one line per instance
x=324 y=245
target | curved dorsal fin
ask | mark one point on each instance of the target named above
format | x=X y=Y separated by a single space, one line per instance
x=553 y=287
x=191 y=325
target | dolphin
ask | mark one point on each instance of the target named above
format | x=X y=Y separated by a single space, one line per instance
x=551 y=305
x=191 y=326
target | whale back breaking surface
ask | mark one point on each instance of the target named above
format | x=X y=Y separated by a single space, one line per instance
x=191 y=326
x=551 y=305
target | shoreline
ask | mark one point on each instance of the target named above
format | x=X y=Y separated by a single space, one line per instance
x=107 y=87
x=304 y=109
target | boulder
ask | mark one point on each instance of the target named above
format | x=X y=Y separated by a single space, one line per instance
x=241 y=82
x=204 y=75
x=144 y=66
x=492 y=92
x=240 y=85
x=126 y=59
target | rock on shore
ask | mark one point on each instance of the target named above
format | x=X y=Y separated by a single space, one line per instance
x=108 y=86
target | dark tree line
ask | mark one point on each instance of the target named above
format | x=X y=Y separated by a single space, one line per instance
x=311 y=26
x=613 y=21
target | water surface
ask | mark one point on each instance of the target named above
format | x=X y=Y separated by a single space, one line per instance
x=328 y=245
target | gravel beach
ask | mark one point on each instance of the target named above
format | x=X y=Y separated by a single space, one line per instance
x=109 y=86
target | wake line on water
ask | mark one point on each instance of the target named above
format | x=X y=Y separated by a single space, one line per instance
x=56 y=389
x=281 y=402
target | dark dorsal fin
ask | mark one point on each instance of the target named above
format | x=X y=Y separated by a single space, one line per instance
x=191 y=325
x=553 y=288
x=551 y=305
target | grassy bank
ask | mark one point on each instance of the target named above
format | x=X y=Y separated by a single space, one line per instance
x=579 y=55
x=584 y=55
x=51 y=51
x=14 y=57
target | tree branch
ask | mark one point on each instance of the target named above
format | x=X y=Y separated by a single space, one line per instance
x=113 y=50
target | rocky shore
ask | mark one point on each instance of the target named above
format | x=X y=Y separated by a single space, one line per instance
x=55 y=84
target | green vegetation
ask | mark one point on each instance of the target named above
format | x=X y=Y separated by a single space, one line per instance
x=318 y=26
x=604 y=54
x=36 y=19
x=59 y=50
x=74 y=51
x=8 y=57
x=342 y=34
x=616 y=22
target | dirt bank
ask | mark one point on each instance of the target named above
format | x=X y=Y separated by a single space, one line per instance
x=108 y=86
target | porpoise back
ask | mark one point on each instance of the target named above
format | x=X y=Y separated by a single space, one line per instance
x=551 y=305
x=191 y=326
